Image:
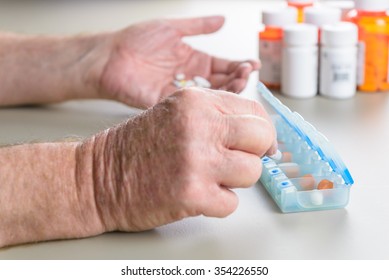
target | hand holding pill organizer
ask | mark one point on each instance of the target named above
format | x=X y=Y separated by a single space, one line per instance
x=306 y=174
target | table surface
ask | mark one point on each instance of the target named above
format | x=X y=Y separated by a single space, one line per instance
x=257 y=230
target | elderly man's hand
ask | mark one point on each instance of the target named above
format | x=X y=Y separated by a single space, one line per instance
x=136 y=65
x=140 y=62
x=181 y=158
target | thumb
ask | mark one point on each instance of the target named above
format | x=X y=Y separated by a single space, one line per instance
x=197 y=26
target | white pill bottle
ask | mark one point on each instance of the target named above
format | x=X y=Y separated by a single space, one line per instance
x=300 y=61
x=338 y=68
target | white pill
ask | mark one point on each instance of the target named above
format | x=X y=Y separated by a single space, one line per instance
x=190 y=83
x=317 y=197
x=277 y=156
x=177 y=84
x=180 y=76
x=202 y=82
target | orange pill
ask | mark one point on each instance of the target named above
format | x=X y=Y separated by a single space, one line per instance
x=307 y=182
x=325 y=185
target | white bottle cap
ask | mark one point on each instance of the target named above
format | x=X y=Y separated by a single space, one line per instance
x=279 y=17
x=321 y=15
x=339 y=34
x=339 y=4
x=344 y=5
x=372 y=5
x=301 y=1
x=301 y=34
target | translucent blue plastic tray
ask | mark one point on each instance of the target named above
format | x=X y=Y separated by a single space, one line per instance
x=294 y=184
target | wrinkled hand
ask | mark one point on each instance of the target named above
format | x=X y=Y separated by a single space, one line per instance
x=183 y=157
x=144 y=59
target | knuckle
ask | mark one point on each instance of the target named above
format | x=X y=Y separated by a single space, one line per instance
x=187 y=93
x=265 y=133
x=267 y=126
x=185 y=100
x=257 y=108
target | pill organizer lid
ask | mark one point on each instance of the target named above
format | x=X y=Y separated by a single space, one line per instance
x=317 y=141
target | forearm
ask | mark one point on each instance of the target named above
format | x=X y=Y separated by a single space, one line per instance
x=46 y=192
x=42 y=69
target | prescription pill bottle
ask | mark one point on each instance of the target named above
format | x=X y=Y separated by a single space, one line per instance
x=299 y=61
x=344 y=5
x=300 y=5
x=338 y=60
x=270 y=44
x=373 y=53
x=319 y=15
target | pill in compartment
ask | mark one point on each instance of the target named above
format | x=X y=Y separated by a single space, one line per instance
x=307 y=182
x=325 y=185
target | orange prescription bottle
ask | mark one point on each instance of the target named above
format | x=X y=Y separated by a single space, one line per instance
x=270 y=44
x=373 y=55
x=300 y=5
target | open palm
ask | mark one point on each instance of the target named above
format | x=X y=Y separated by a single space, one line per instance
x=146 y=57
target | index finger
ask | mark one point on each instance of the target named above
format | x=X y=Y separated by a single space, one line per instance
x=197 y=25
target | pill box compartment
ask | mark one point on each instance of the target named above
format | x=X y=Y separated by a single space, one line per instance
x=310 y=175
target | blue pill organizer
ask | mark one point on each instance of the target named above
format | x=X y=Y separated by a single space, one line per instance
x=310 y=175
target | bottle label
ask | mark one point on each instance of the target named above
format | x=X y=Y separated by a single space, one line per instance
x=361 y=63
x=338 y=73
x=270 y=56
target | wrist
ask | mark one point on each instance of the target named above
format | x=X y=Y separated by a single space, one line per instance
x=97 y=159
x=48 y=69
x=90 y=55
x=45 y=201
x=88 y=173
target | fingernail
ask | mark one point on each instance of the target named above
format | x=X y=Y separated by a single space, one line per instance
x=246 y=64
x=216 y=19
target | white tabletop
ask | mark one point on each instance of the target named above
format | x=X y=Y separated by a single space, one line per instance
x=257 y=230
